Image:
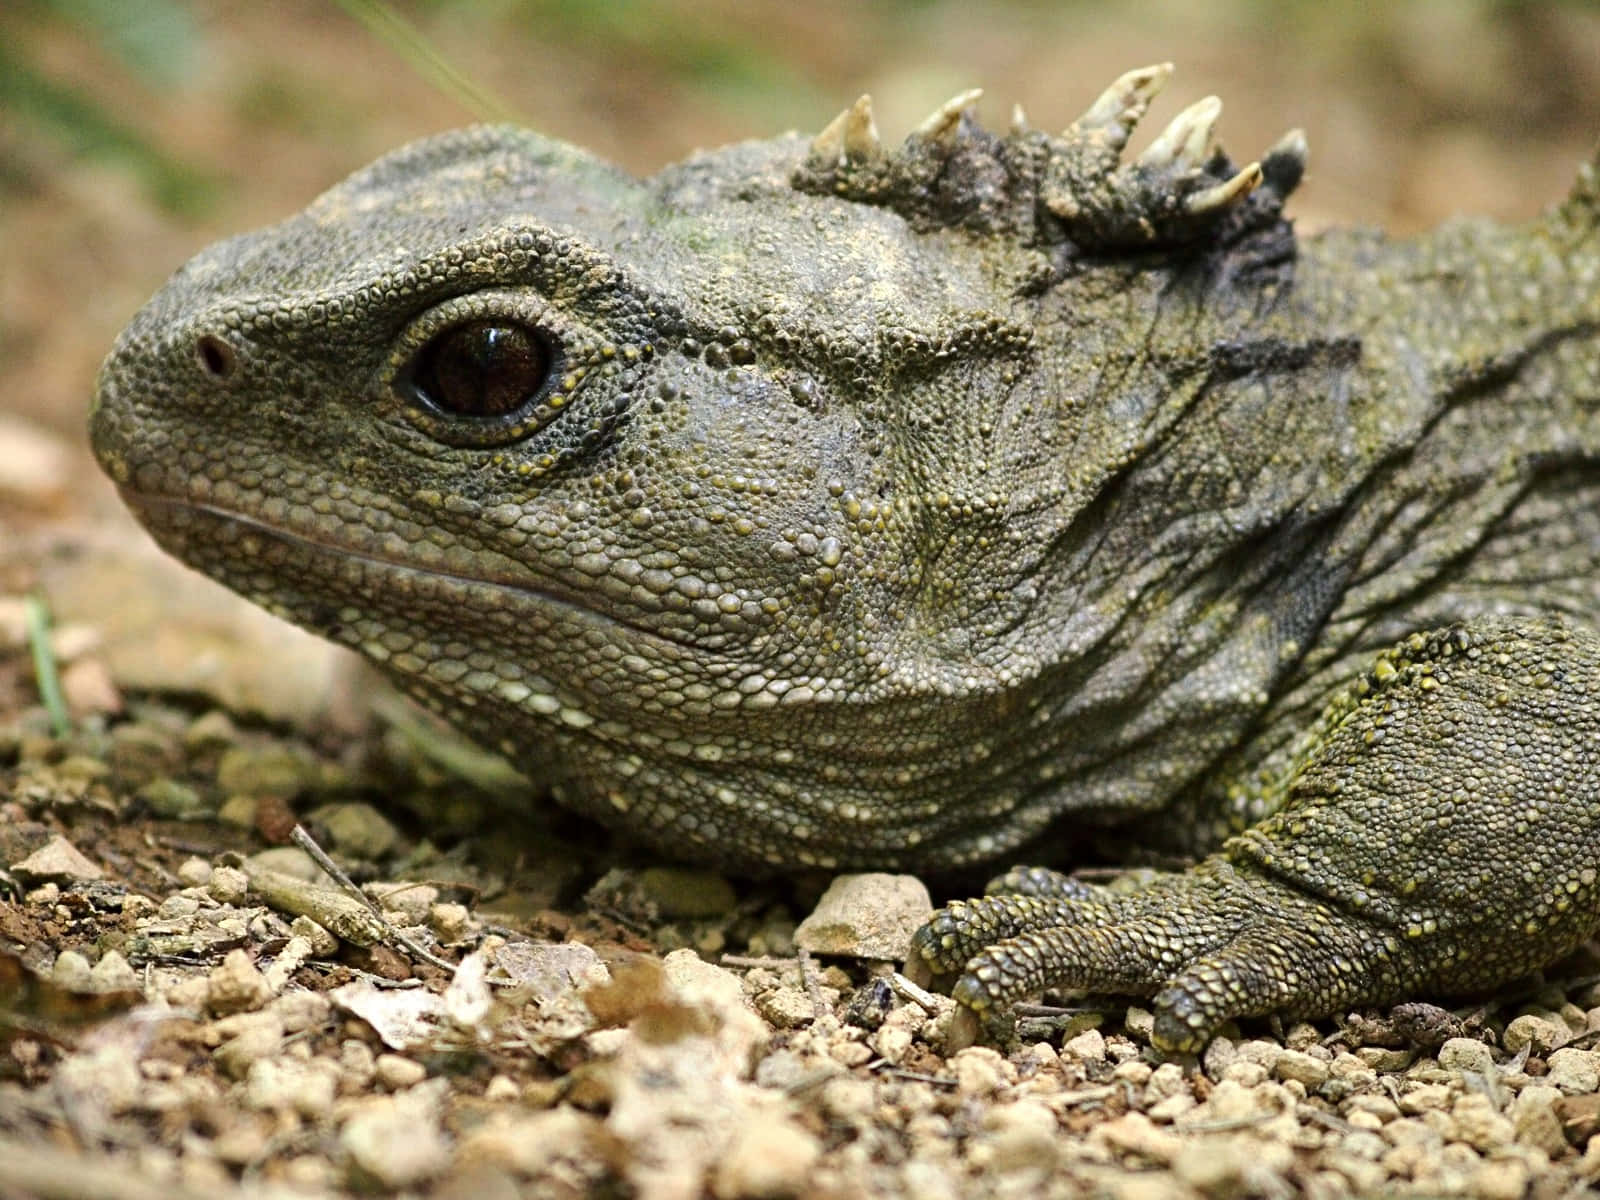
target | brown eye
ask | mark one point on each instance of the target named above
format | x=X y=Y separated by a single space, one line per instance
x=484 y=370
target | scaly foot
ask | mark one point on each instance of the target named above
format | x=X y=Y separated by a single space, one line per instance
x=1439 y=833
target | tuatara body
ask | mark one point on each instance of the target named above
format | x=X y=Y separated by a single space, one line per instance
x=815 y=504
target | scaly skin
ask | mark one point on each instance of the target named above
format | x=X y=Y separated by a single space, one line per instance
x=824 y=506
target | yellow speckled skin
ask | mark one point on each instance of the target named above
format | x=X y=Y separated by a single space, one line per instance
x=897 y=509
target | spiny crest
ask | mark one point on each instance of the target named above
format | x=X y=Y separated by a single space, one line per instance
x=1073 y=187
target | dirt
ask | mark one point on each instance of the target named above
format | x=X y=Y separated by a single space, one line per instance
x=534 y=1008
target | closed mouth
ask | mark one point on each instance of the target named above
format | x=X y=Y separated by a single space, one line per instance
x=508 y=594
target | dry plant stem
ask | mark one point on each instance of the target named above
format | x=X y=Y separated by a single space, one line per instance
x=387 y=932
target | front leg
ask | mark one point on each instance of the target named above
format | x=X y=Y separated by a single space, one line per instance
x=1438 y=833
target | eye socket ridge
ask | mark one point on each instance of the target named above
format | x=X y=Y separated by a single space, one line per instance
x=487 y=370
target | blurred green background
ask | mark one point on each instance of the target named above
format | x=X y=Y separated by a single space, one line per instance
x=134 y=131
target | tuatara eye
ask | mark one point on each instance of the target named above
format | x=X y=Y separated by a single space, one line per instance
x=485 y=369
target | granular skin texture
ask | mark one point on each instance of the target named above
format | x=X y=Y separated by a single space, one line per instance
x=811 y=504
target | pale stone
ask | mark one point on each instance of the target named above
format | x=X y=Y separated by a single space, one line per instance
x=766 y=1160
x=866 y=916
x=57 y=861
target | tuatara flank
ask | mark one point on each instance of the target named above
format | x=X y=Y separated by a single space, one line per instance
x=817 y=504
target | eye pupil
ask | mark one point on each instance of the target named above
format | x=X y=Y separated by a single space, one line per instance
x=485 y=369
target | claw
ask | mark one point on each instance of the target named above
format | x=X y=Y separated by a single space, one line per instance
x=1228 y=192
x=860 y=131
x=1121 y=105
x=963 y=1030
x=943 y=122
x=917 y=970
x=828 y=146
x=1019 y=120
x=1291 y=147
x=1184 y=142
x=852 y=134
x=1285 y=164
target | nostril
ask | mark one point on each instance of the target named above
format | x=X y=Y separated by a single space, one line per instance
x=217 y=358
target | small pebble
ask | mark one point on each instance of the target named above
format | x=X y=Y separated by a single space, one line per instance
x=1135 y=1071
x=1533 y=1113
x=228 y=885
x=113 y=973
x=1573 y=1071
x=1220 y=1053
x=1501 y=1179
x=259 y=1040
x=768 y=1159
x=214 y=730
x=1427 y=1097
x=1479 y=1123
x=686 y=893
x=1298 y=1065
x=1246 y=1074
x=1088 y=1046
x=848 y=1099
x=1023 y=1136
x=397 y=1140
x=172 y=800
x=178 y=905
x=501 y=1089
x=237 y=986
x=357 y=830
x=72 y=972
x=1466 y=1054
x=300 y=1010
x=1140 y=1022
x=241 y=1143
x=1259 y=1050
x=1384 y=1059
x=411 y=900
x=194 y=872
x=450 y=922
x=866 y=916
x=1166 y=1080
x=1374 y=1104
x=396 y=1072
x=979 y=1071
x=785 y=1007
x=893 y=1043
x=321 y=942
x=1540 y=1034
x=264 y=771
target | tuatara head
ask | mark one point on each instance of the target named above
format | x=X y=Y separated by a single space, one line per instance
x=723 y=497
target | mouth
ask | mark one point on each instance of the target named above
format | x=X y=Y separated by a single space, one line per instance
x=240 y=551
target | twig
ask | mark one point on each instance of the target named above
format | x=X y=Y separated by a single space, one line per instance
x=808 y=980
x=914 y=1076
x=379 y=930
x=770 y=961
x=1223 y=1124
x=921 y=997
x=1308 y=1112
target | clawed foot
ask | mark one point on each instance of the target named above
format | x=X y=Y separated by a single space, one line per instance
x=1438 y=835
x=1208 y=945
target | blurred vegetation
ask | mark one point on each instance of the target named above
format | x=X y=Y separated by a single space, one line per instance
x=156 y=40
x=727 y=54
x=387 y=25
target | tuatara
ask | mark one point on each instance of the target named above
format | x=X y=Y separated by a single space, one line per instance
x=817 y=504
